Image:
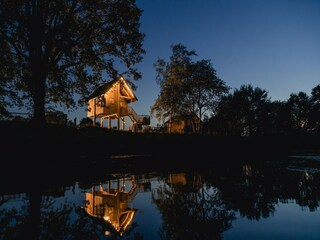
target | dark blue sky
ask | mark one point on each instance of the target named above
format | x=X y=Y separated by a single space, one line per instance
x=271 y=44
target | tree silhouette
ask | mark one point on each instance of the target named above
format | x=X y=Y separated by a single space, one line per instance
x=299 y=107
x=52 y=50
x=186 y=87
x=171 y=77
x=243 y=112
x=203 y=90
x=314 y=117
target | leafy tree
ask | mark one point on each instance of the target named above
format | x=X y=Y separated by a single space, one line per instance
x=203 y=90
x=52 y=50
x=186 y=87
x=243 y=112
x=6 y=87
x=299 y=106
x=3 y=104
x=6 y=74
x=224 y=122
x=171 y=77
x=276 y=120
x=314 y=118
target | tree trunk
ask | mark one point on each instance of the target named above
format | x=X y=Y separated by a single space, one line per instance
x=38 y=65
x=39 y=118
x=31 y=228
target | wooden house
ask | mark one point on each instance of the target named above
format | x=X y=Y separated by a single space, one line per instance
x=112 y=100
x=182 y=124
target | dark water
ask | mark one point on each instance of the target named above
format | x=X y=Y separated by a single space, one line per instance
x=249 y=201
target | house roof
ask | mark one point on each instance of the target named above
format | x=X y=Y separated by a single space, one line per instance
x=125 y=89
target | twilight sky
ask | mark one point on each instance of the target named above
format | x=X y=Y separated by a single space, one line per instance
x=271 y=44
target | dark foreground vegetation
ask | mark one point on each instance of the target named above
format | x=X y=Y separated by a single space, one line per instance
x=25 y=143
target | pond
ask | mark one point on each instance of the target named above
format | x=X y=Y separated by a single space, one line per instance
x=245 y=201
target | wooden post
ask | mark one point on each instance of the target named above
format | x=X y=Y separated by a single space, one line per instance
x=118 y=105
x=94 y=111
x=122 y=184
x=123 y=123
x=93 y=194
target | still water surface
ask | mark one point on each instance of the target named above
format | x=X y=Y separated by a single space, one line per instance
x=244 y=202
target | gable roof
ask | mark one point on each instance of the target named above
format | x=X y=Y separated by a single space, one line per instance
x=102 y=89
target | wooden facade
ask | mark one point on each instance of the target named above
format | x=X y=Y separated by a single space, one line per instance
x=112 y=100
x=182 y=124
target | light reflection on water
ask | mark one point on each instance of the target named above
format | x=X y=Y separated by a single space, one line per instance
x=248 y=202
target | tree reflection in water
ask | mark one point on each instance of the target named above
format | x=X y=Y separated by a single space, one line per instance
x=200 y=205
x=190 y=208
x=55 y=220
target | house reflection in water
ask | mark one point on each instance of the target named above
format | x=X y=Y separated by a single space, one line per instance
x=111 y=201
